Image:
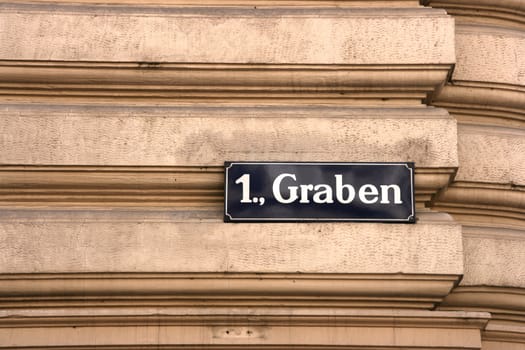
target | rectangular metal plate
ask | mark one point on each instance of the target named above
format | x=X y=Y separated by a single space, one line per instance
x=317 y=191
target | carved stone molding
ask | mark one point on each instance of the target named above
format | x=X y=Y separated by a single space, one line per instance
x=483 y=103
x=506 y=328
x=164 y=83
x=226 y=289
x=507 y=13
x=472 y=202
x=135 y=257
x=84 y=186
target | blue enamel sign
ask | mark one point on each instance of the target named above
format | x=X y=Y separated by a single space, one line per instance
x=301 y=191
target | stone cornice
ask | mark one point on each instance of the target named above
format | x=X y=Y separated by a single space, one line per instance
x=484 y=103
x=472 y=202
x=161 y=83
x=85 y=186
x=493 y=299
x=508 y=13
x=230 y=289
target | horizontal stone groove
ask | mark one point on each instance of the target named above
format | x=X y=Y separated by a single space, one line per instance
x=141 y=186
x=253 y=316
x=504 y=301
x=257 y=3
x=228 y=82
x=112 y=8
x=97 y=302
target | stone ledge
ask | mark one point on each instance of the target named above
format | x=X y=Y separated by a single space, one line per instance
x=90 y=53
x=483 y=103
x=505 y=13
x=225 y=289
x=219 y=328
x=165 y=83
x=172 y=258
x=483 y=203
x=102 y=187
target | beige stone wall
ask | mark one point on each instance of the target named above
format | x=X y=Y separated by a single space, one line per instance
x=117 y=116
x=486 y=96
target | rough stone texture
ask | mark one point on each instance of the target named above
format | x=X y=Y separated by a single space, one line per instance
x=490 y=54
x=91 y=242
x=491 y=154
x=210 y=136
x=494 y=257
x=199 y=35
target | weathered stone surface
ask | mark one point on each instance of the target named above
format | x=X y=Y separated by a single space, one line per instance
x=490 y=55
x=201 y=136
x=226 y=35
x=494 y=257
x=491 y=154
x=82 y=242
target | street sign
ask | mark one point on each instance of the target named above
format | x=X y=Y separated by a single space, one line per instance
x=318 y=191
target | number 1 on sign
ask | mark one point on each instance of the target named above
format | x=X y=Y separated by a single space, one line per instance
x=244 y=180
